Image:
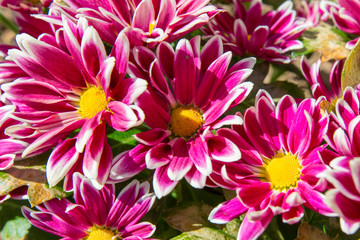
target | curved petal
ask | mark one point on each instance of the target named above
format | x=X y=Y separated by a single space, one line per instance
x=162 y=184
x=227 y=211
x=222 y=149
x=61 y=159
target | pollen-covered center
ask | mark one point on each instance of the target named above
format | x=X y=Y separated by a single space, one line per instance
x=185 y=121
x=283 y=172
x=92 y=101
x=97 y=233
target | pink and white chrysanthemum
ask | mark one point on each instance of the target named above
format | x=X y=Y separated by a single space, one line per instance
x=346 y=16
x=344 y=174
x=344 y=199
x=23 y=12
x=188 y=92
x=82 y=88
x=96 y=214
x=346 y=110
x=319 y=87
x=268 y=37
x=144 y=22
x=278 y=171
x=312 y=11
x=11 y=149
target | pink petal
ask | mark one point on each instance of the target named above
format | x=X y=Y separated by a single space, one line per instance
x=227 y=211
x=252 y=230
x=128 y=164
x=142 y=230
x=294 y=215
x=199 y=155
x=252 y=196
x=152 y=137
x=144 y=15
x=314 y=199
x=185 y=72
x=213 y=77
x=92 y=51
x=97 y=157
x=180 y=163
x=162 y=184
x=158 y=156
x=124 y=117
x=61 y=159
x=222 y=149
x=62 y=66
x=195 y=178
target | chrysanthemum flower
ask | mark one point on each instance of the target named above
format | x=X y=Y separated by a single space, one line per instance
x=278 y=171
x=80 y=88
x=144 y=22
x=23 y=12
x=11 y=149
x=347 y=108
x=96 y=214
x=268 y=36
x=344 y=199
x=188 y=93
x=319 y=86
x=344 y=174
x=346 y=16
x=312 y=11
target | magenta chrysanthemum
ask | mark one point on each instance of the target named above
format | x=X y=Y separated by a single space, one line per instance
x=81 y=87
x=188 y=92
x=144 y=22
x=312 y=11
x=11 y=149
x=343 y=136
x=319 y=86
x=268 y=36
x=278 y=171
x=24 y=11
x=96 y=214
x=346 y=15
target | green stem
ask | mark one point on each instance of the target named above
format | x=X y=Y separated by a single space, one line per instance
x=10 y=25
x=273 y=230
x=192 y=192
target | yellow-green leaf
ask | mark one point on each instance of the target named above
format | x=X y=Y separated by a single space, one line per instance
x=351 y=72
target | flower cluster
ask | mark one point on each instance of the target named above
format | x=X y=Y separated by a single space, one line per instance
x=98 y=96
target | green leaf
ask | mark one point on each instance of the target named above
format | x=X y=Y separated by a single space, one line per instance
x=9 y=24
x=122 y=141
x=232 y=228
x=16 y=229
x=124 y=137
x=292 y=89
x=350 y=75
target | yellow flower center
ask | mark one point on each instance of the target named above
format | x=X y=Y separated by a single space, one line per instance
x=97 y=233
x=151 y=27
x=185 y=121
x=283 y=172
x=92 y=101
